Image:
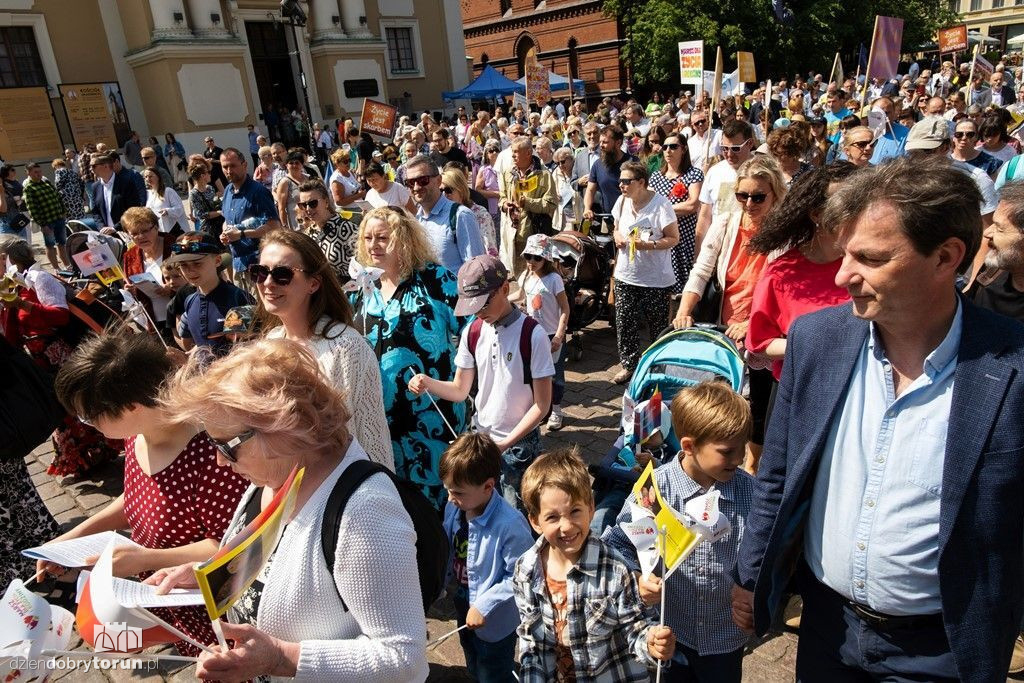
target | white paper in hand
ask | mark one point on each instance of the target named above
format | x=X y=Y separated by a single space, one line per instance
x=74 y=552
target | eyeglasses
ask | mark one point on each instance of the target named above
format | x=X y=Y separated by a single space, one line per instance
x=419 y=181
x=757 y=198
x=962 y=134
x=733 y=149
x=280 y=275
x=863 y=144
x=140 y=233
x=626 y=181
x=311 y=204
x=671 y=146
x=229 y=448
x=447 y=190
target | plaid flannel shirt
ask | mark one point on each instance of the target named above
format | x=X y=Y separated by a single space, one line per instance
x=607 y=625
x=43 y=202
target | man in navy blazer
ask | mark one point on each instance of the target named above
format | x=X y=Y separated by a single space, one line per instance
x=117 y=187
x=891 y=489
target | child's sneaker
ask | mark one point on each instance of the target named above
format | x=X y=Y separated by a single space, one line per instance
x=555 y=421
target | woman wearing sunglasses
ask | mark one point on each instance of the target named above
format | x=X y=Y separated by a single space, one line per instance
x=176 y=502
x=300 y=298
x=409 y=320
x=645 y=232
x=965 y=139
x=268 y=410
x=725 y=255
x=335 y=235
x=679 y=182
x=455 y=187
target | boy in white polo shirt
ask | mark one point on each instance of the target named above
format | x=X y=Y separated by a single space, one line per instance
x=510 y=356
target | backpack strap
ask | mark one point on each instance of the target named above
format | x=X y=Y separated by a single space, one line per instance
x=473 y=336
x=353 y=476
x=526 y=348
x=453 y=216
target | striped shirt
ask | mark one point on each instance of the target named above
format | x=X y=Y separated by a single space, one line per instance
x=43 y=201
x=699 y=592
x=607 y=626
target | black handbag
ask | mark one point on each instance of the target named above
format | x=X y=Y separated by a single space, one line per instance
x=20 y=221
x=709 y=308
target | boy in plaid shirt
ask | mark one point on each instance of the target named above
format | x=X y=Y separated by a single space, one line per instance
x=47 y=209
x=579 y=605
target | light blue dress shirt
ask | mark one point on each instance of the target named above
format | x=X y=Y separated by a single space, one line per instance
x=892 y=144
x=878 y=488
x=452 y=249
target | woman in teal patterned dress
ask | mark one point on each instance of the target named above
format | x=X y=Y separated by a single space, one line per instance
x=408 y=317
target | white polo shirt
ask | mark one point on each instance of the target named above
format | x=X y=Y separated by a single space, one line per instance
x=502 y=399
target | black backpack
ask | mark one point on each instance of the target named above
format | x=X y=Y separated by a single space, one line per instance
x=432 y=548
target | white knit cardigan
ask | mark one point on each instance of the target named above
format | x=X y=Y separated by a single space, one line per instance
x=353 y=369
x=382 y=636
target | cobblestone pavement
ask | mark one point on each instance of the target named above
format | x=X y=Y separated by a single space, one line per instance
x=591 y=421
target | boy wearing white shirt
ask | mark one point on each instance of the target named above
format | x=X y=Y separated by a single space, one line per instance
x=510 y=356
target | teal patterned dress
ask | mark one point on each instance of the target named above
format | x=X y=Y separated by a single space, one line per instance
x=414 y=332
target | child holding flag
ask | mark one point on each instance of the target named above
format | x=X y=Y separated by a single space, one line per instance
x=712 y=423
x=487 y=535
x=579 y=605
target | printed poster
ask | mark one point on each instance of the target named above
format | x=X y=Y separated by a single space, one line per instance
x=27 y=128
x=96 y=113
x=378 y=118
x=691 y=62
x=953 y=39
x=538 y=88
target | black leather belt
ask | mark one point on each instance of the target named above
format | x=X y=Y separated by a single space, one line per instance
x=888 y=622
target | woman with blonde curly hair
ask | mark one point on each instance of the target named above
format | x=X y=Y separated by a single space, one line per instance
x=409 y=320
x=268 y=409
x=300 y=298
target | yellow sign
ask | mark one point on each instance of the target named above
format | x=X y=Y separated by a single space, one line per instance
x=89 y=113
x=27 y=129
x=745 y=65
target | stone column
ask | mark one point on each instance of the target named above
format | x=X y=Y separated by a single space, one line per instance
x=351 y=11
x=324 y=28
x=202 y=12
x=164 y=25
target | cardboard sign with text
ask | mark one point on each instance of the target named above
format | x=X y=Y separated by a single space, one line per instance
x=691 y=62
x=378 y=118
x=745 y=65
x=953 y=38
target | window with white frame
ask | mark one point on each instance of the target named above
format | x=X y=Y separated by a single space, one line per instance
x=401 y=49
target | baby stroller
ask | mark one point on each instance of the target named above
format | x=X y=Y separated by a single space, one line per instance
x=93 y=305
x=587 y=272
x=677 y=359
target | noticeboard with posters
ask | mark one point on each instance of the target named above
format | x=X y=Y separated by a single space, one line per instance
x=27 y=129
x=378 y=118
x=96 y=113
x=953 y=38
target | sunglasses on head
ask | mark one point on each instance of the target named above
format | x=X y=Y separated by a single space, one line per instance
x=229 y=448
x=962 y=134
x=190 y=247
x=420 y=181
x=311 y=204
x=280 y=275
x=757 y=197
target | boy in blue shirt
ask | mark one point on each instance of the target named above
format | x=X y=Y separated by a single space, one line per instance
x=713 y=425
x=487 y=535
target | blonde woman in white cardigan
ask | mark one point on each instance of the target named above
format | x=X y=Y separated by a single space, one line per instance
x=268 y=410
x=300 y=298
x=724 y=256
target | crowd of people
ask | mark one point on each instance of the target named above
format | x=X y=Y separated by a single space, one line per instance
x=405 y=303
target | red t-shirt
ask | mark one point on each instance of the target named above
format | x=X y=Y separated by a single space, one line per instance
x=790 y=286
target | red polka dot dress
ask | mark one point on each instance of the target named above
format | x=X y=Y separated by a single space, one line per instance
x=190 y=500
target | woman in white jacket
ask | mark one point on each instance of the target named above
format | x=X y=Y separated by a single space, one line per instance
x=268 y=410
x=165 y=203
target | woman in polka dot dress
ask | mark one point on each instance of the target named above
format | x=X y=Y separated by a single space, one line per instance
x=177 y=502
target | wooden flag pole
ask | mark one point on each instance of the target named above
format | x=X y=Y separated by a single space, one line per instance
x=871 y=59
x=835 y=65
x=970 y=79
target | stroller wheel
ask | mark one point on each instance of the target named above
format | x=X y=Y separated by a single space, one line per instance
x=576 y=349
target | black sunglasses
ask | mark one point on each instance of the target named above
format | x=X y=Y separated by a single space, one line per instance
x=420 y=181
x=757 y=198
x=961 y=134
x=863 y=144
x=447 y=190
x=280 y=275
x=311 y=204
x=229 y=448
x=671 y=146
x=533 y=257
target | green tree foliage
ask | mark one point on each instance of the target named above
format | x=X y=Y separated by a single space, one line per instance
x=819 y=30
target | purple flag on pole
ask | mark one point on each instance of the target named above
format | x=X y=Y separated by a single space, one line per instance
x=885 y=48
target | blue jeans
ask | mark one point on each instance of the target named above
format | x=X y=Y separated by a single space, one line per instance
x=514 y=461
x=836 y=645
x=690 y=667
x=558 y=383
x=487 y=662
x=55 y=233
x=607 y=509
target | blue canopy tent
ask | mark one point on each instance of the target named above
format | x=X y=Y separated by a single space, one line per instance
x=557 y=82
x=489 y=84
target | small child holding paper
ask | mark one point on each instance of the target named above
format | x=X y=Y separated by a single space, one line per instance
x=487 y=535
x=712 y=423
x=579 y=605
